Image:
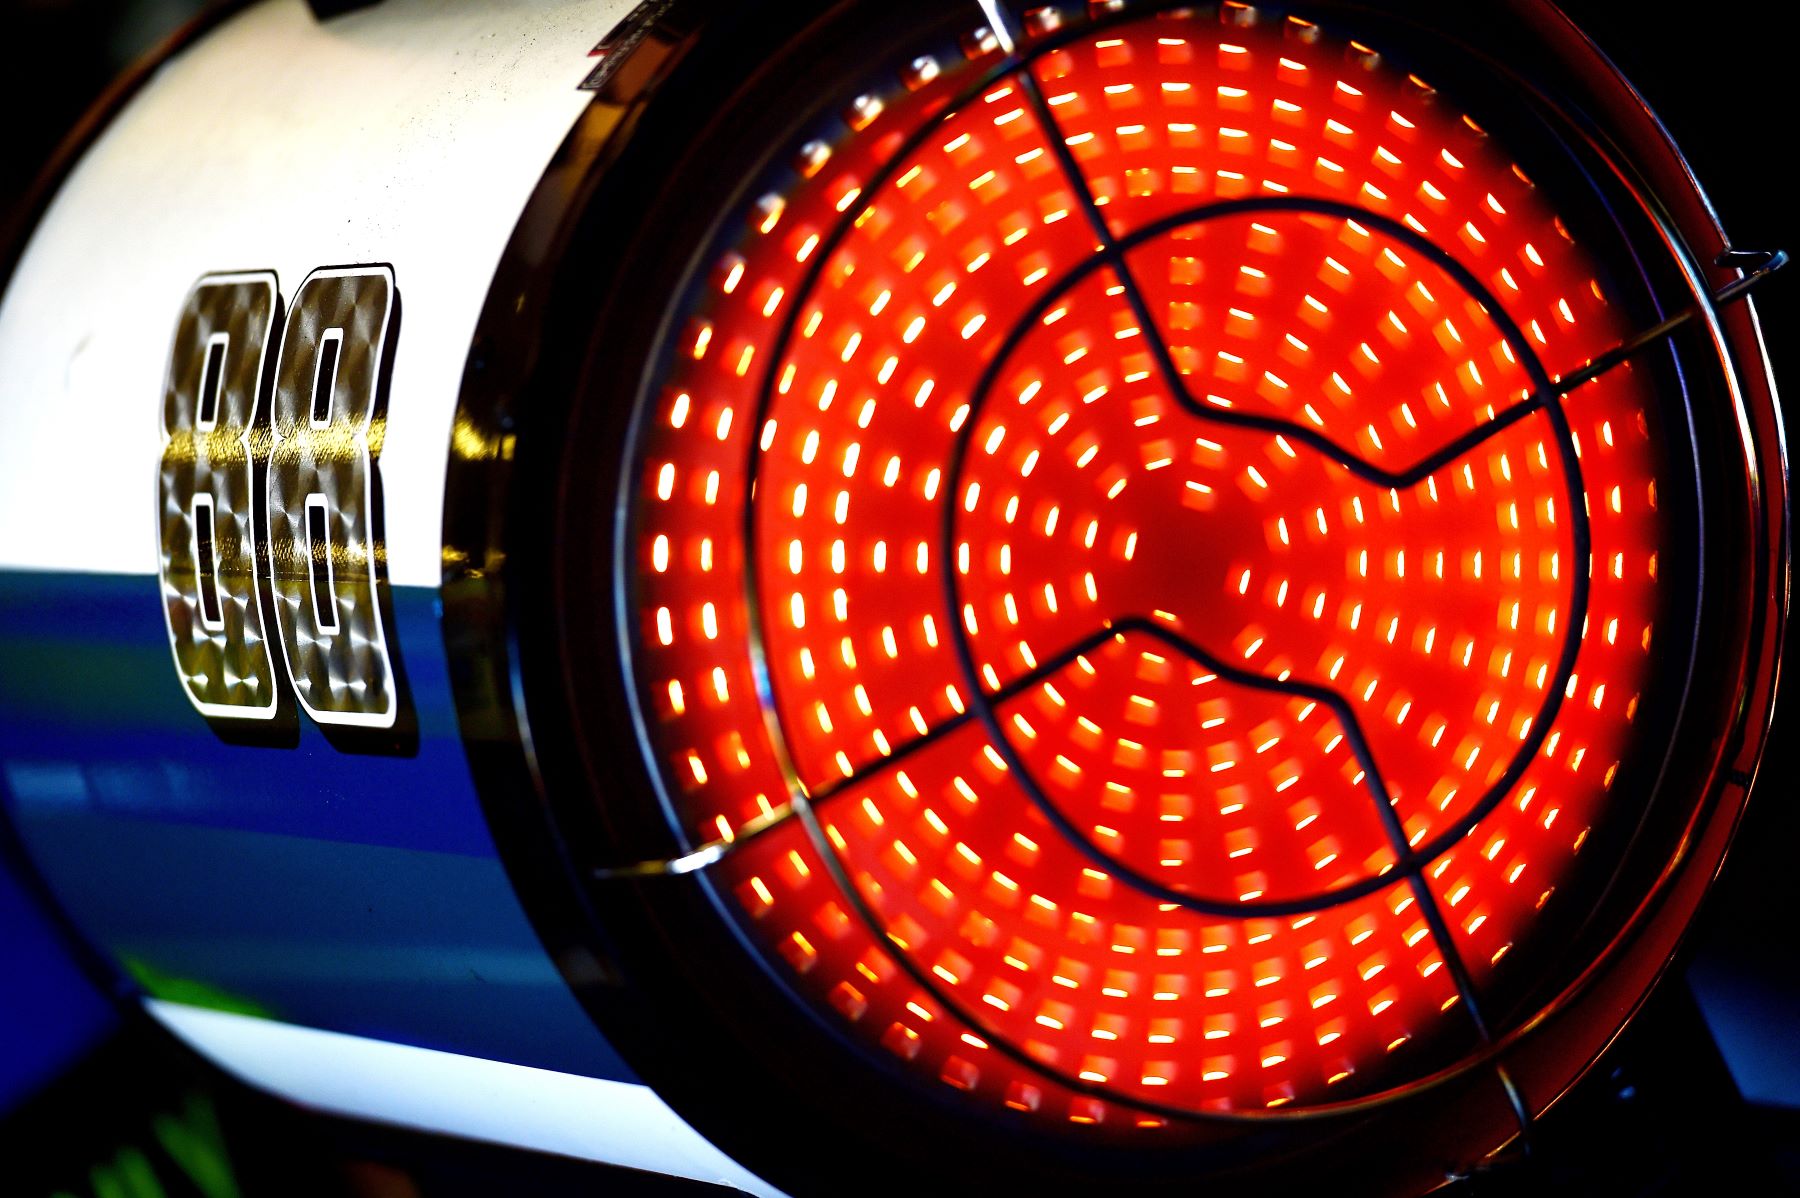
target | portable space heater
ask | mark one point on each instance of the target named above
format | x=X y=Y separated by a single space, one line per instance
x=1076 y=598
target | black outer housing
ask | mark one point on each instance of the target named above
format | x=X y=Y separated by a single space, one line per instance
x=576 y=311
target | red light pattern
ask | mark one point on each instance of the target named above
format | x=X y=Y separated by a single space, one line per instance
x=1142 y=590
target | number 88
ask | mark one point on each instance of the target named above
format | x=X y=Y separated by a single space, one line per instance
x=315 y=426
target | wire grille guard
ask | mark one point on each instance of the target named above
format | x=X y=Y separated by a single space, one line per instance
x=1144 y=571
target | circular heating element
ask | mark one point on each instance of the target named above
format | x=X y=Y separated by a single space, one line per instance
x=1118 y=543
x=1133 y=517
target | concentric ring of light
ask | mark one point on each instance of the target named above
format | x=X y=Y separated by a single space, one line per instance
x=1437 y=613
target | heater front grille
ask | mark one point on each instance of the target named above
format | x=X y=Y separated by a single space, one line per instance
x=1114 y=552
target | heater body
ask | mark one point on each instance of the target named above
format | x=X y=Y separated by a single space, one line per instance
x=345 y=710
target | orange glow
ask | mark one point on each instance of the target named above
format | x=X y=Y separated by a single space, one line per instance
x=1075 y=655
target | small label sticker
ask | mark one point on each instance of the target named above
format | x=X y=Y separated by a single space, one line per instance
x=625 y=37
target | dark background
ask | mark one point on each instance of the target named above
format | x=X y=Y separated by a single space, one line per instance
x=1702 y=1095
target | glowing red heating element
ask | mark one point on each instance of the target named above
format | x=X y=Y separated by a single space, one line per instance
x=1150 y=729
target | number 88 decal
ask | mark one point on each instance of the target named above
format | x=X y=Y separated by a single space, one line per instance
x=313 y=423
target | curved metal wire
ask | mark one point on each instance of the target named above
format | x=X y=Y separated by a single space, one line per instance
x=1545 y=397
x=710 y=852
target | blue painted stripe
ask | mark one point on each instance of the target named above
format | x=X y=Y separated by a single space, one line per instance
x=93 y=717
x=351 y=892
